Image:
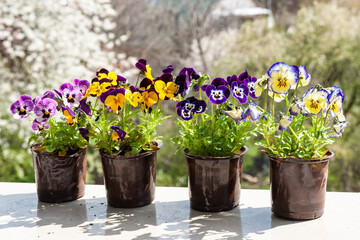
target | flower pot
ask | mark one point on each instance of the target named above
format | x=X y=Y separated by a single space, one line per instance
x=298 y=186
x=129 y=180
x=59 y=178
x=214 y=182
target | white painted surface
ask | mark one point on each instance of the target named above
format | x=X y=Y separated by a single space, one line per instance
x=169 y=217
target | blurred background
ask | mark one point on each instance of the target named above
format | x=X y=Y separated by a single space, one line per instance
x=44 y=43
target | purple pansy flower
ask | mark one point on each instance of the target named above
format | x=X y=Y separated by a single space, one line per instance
x=184 y=114
x=81 y=85
x=39 y=126
x=48 y=94
x=45 y=109
x=22 y=107
x=183 y=80
x=217 y=91
x=141 y=64
x=191 y=105
x=251 y=86
x=231 y=79
x=244 y=77
x=168 y=69
x=202 y=107
x=120 y=134
x=251 y=113
x=190 y=72
x=70 y=95
x=240 y=91
x=84 y=133
x=85 y=107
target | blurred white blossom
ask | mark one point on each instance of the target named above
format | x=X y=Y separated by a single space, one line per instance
x=45 y=43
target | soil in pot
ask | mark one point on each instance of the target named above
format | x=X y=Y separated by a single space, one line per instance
x=298 y=186
x=129 y=180
x=59 y=178
x=214 y=182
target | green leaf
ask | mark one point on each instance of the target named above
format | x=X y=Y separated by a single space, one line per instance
x=50 y=148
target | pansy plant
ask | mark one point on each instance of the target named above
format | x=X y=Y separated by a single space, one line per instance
x=125 y=116
x=216 y=122
x=56 y=117
x=307 y=124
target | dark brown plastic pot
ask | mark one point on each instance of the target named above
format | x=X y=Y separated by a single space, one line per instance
x=59 y=178
x=129 y=180
x=214 y=182
x=298 y=186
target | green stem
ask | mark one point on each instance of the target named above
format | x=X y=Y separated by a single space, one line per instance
x=266 y=99
x=296 y=136
x=212 y=117
x=316 y=124
x=137 y=80
x=273 y=107
x=297 y=85
x=326 y=116
x=124 y=118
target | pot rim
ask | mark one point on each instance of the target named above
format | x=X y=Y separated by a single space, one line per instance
x=55 y=155
x=244 y=150
x=329 y=154
x=144 y=154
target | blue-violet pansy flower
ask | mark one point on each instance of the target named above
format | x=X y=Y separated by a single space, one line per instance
x=283 y=77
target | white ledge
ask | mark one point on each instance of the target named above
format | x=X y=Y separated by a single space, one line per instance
x=22 y=216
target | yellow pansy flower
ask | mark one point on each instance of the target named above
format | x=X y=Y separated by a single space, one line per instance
x=147 y=73
x=149 y=98
x=116 y=102
x=315 y=101
x=111 y=75
x=133 y=98
x=165 y=89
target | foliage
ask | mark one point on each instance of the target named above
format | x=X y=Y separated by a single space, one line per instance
x=213 y=136
x=225 y=130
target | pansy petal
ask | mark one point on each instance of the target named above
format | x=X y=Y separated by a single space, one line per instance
x=168 y=69
x=218 y=82
x=279 y=66
x=141 y=64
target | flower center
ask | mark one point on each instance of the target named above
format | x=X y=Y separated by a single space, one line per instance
x=22 y=111
x=46 y=114
x=71 y=99
x=282 y=82
x=251 y=87
x=314 y=104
